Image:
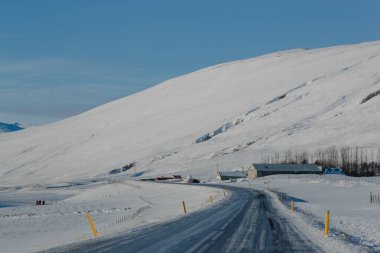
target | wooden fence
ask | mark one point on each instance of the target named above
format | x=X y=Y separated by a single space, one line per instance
x=374 y=199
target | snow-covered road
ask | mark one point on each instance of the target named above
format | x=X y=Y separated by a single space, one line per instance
x=246 y=222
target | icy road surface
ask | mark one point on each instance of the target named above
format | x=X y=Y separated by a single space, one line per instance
x=247 y=222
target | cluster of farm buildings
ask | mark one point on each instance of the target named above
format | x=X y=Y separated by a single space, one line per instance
x=262 y=169
x=254 y=171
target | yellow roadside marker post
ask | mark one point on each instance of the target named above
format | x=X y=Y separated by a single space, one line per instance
x=92 y=224
x=327 y=223
x=184 y=207
x=292 y=205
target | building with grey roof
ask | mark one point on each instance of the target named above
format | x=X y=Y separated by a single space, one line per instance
x=230 y=175
x=265 y=169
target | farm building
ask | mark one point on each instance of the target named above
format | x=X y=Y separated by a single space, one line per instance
x=230 y=175
x=262 y=169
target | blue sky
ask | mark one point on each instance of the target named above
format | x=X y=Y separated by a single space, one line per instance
x=60 y=58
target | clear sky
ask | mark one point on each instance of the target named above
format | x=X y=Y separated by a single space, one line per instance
x=60 y=58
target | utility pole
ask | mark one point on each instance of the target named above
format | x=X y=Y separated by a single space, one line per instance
x=216 y=171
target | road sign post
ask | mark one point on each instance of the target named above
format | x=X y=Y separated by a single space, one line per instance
x=327 y=223
x=92 y=224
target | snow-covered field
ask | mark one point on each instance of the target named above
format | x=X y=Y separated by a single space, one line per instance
x=354 y=221
x=114 y=207
x=229 y=114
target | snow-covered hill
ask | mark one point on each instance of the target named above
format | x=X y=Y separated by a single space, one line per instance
x=5 y=127
x=229 y=114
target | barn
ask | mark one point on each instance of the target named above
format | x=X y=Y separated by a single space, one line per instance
x=265 y=169
x=230 y=175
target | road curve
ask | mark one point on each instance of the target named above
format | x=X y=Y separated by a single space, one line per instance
x=247 y=222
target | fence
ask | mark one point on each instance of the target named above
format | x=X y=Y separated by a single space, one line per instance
x=374 y=199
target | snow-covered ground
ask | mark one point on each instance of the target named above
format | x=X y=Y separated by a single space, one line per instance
x=229 y=114
x=354 y=224
x=114 y=207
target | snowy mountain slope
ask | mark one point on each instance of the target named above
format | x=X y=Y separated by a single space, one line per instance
x=229 y=114
x=5 y=127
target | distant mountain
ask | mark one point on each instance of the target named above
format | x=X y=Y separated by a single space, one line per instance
x=223 y=116
x=5 y=127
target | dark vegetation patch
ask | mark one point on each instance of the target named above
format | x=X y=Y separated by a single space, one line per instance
x=371 y=95
x=220 y=130
x=227 y=151
x=277 y=99
x=122 y=169
x=162 y=157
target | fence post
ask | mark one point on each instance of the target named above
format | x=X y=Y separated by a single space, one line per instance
x=184 y=207
x=92 y=225
x=370 y=197
x=327 y=223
